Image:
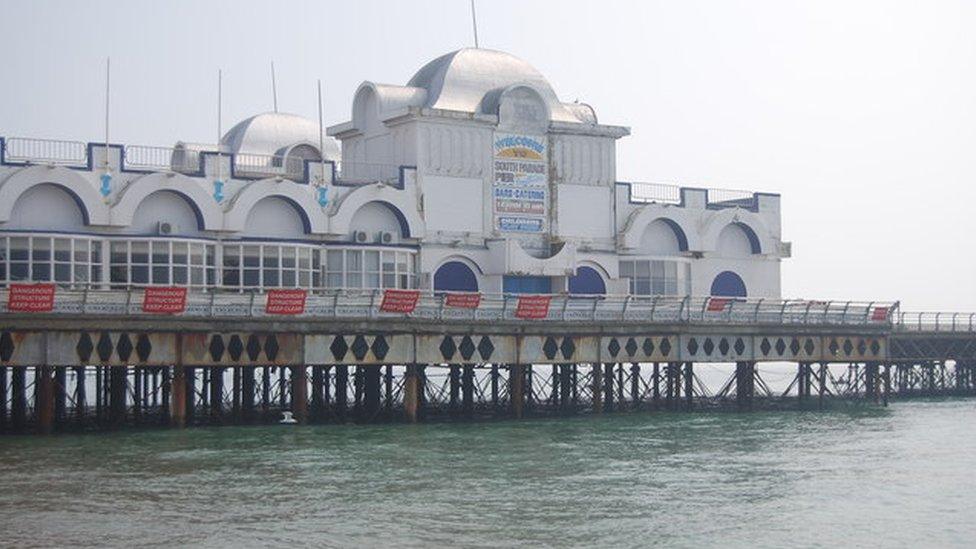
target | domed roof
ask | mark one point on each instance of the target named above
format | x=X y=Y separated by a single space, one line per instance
x=273 y=133
x=460 y=80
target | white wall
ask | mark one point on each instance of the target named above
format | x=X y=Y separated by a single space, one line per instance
x=274 y=217
x=374 y=217
x=453 y=204
x=583 y=211
x=164 y=206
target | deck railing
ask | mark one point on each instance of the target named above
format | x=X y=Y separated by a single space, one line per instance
x=936 y=322
x=365 y=304
x=671 y=194
x=47 y=151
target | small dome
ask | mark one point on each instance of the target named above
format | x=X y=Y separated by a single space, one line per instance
x=274 y=133
x=460 y=81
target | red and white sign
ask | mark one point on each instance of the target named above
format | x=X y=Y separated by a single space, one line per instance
x=462 y=300
x=164 y=300
x=718 y=304
x=286 y=302
x=880 y=314
x=533 y=307
x=30 y=298
x=399 y=301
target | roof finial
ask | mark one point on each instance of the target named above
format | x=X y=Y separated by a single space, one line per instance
x=474 y=24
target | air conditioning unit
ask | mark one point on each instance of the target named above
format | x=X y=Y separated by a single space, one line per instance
x=386 y=237
x=360 y=237
x=785 y=249
x=165 y=228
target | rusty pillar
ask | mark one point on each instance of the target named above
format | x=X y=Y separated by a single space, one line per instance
x=60 y=396
x=247 y=394
x=372 y=382
x=18 y=397
x=317 y=410
x=44 y=399
x=216 y=375
x=745 y=383
x=689 y=385
x=596 y=387
x=299 y=393
x=117 y=394
x=235 y=393
x=3 y=397
x=516 y=389
x=411 y=384
x=608 y=387
x=341 y=391
x=467 y=391
x=178 y=401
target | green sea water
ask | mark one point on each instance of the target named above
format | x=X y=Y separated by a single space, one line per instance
x=904 y=476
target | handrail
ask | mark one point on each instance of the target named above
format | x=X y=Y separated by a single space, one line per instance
x=96 y=299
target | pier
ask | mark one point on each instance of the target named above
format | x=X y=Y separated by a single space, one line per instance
x=98 y=361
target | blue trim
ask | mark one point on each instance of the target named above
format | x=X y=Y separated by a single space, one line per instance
x=324 y=243
x=679 y=233
x=751 y=235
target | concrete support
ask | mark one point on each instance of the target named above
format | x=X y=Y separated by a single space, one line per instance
x=235 y=393
x=467 y=391
x=370 y=409
x=60 y=396
x=516 y=389
x=635 y=390
x=299 y=393
x=318 y=404
x=689 y=385
x=18 y=398
x=190 y=393
x=565 y=387
x=388 y=391
x=745 y=385
x=494 y=389
x=596 y=387
x=178 y=401
x=3 y=398
x=216 y=375
x=247 y=393
x=454 y=389
x=44 y=399
x=411 y=393
x=608 y=387
x=656 y=386
x=341 y=392
x=117 y=399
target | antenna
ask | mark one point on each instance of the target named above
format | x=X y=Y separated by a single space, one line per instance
x=220 y=85
x=321 y=135
x=274 y=88
x=474 y=24
x=108 y=82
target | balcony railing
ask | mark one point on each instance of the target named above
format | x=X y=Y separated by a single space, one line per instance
x=45 y=151
x=671 y=194
x=365 y=304
x=162 y=158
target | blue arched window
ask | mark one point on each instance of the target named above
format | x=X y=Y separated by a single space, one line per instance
x=587 y=281
x=728 y=284
x=455 y=276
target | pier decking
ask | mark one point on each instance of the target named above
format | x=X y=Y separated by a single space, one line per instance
x=97 y=361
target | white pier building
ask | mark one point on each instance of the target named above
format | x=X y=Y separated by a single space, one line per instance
x=474 y=176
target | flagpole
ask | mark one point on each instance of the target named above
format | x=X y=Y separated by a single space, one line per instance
x=108 y=83
x=474 y=24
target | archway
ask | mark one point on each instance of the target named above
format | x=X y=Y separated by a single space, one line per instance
x=728 y=284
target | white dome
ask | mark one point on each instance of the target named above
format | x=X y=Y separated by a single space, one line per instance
x=274 y=133
x=461 y=80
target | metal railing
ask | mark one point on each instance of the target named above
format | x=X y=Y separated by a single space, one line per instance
x=936 y=322
x=289 y=167
x=162 y=158
x=365 y=304
x=671 y=194
x=655 y=192
x=51 y=151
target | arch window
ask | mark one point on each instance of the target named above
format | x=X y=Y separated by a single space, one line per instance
x=455 y=276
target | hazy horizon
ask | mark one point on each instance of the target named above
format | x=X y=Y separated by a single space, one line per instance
x=860 y=114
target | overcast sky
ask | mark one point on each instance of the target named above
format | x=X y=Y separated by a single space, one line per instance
x=860 y=113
